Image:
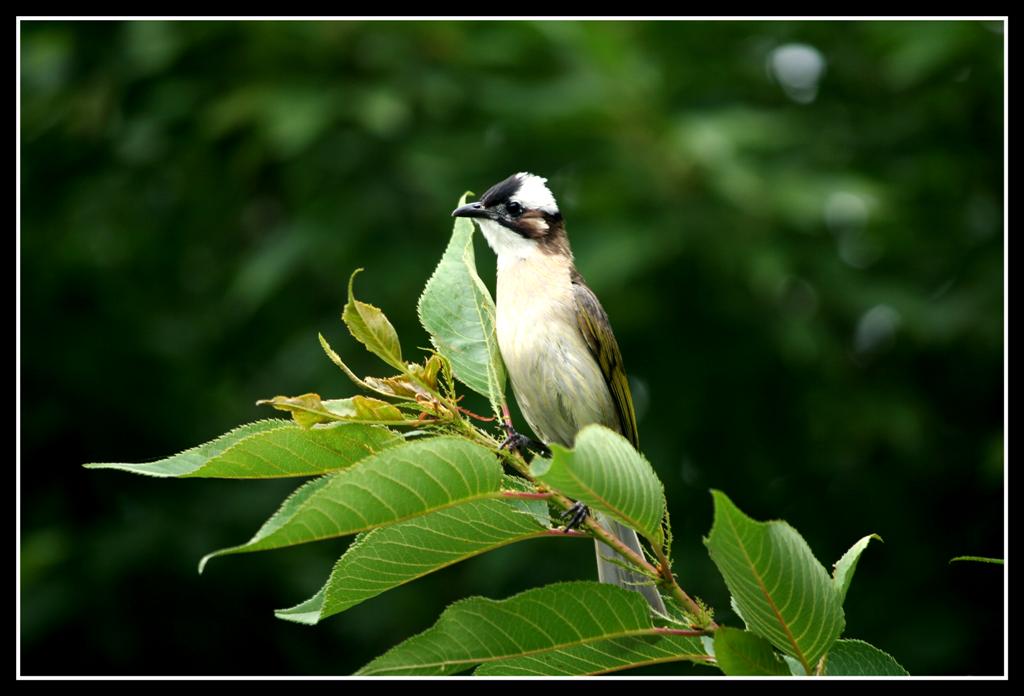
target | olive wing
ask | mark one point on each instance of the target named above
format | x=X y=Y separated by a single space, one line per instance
x=597 y=332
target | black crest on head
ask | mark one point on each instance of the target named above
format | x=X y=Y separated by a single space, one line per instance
x=501 y=192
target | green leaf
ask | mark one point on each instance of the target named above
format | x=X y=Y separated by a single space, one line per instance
x=978 y=559
x=457 y=311
x=845 y=566
x=736 y=609
x=855 y=658
x=566 y=628
x=336 y=359
x=369 y=326
x=741 y=653
x=601 y=657
x=608 y=474
x=271 y=449
x=399 y=483
x=365 y=409
x=795 y=668
x=308 y=410
x=385 y=558
x=783 y=592
x=400 y=386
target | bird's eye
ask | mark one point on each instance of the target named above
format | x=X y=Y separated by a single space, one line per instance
x=514 y=209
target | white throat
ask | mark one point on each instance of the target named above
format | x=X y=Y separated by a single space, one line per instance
x=509 y=247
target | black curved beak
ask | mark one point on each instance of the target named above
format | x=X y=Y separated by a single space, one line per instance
x=471 y=210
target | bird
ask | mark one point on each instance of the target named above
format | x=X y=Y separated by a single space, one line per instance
x=556 y=341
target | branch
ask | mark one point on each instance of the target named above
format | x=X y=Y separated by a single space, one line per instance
x=669 y=578
x=680 y=632
x=663 y=572
x=528 y=495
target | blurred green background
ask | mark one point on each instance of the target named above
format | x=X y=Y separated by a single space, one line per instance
x=796 y=228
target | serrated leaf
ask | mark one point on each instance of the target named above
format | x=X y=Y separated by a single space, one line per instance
x=566 y=628
x=608 y=474
x=978 y=559
x=783 y=592
x=741 y=653
x=736 y=610
x=309 y=409
x=385 y=558
x=601 y=657
x=855 y=658
x=369 y=326
x=842 y=574
x=399 y=483
x=457 y=311
x=271 y=449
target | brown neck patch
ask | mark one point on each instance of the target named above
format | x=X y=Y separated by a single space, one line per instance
x=547 y=229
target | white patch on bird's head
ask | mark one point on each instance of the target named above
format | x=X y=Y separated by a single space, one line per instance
x=533 y=193
x=515 y=216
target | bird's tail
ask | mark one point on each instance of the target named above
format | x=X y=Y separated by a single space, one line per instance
x=609 y=572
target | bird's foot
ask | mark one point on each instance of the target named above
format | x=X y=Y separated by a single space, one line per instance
x=577 y=513
x=518 y=442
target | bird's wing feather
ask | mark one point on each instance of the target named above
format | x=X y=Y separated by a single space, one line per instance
x=597 y=332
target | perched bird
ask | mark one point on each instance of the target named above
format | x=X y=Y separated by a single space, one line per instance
x=555 y=338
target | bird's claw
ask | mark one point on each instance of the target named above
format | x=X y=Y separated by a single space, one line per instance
x=521 y=443
x=578 y=512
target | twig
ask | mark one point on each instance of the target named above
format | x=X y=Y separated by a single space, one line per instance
x=529 y=495
x=680 y=632
x=519 y=464
x=486 y=419
x=669 y=578
x=570 y=533
x=662 y=572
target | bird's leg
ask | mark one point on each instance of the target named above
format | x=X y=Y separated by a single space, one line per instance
x=521 y=443
x=518 y=442
x=578 y=512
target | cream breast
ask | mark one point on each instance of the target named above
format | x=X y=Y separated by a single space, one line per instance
x=557 y=383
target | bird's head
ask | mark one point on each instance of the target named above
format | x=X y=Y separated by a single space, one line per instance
x=519 y=218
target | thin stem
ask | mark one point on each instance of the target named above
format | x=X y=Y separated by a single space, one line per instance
x=680 y=632
x=486 y=419
x=452 y=406
x=565 y=533
x=517 y=462
x=529 y=495
x=663 y=571
x=669 y=578
x=610 y=539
